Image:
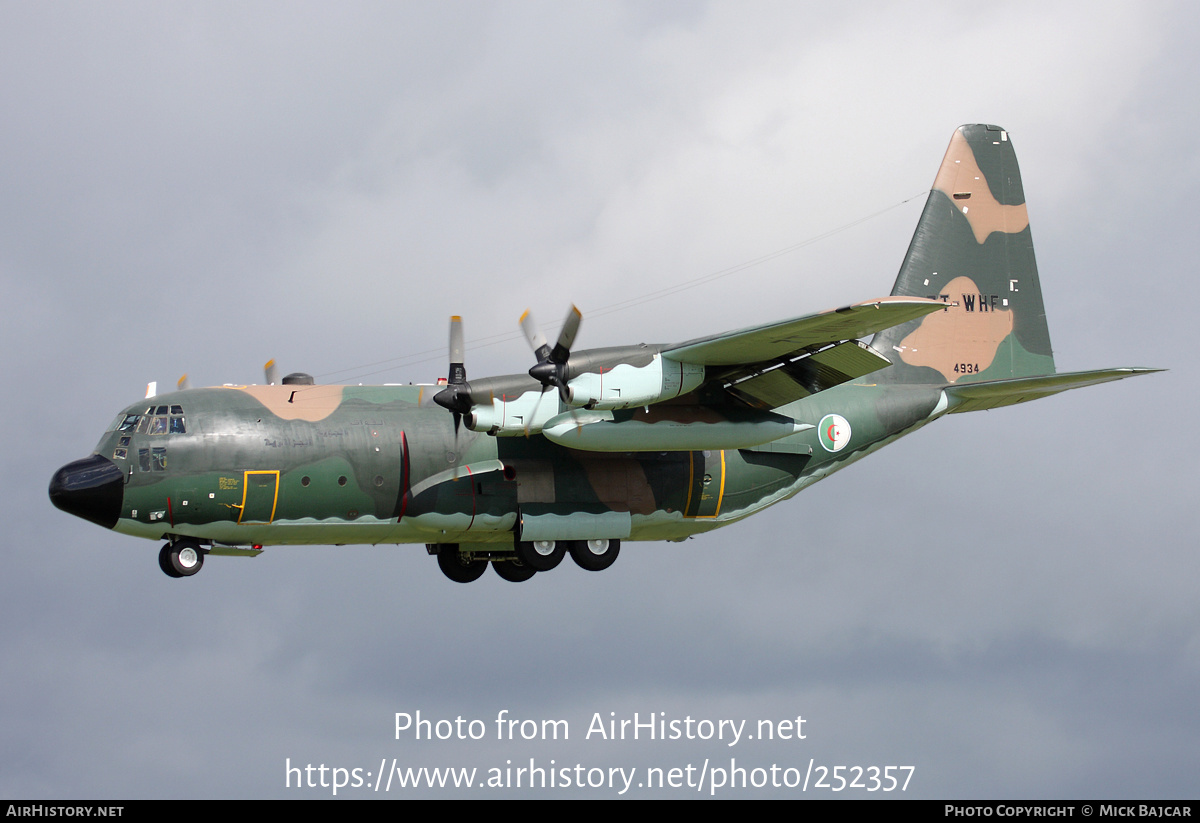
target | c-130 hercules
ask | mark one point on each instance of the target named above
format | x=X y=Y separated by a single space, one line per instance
x=647 y=442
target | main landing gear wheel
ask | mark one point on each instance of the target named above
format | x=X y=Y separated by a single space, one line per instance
x=514 y=571
x=457 y=566
x=542 y=555
x=595 y=555
x=181 y=558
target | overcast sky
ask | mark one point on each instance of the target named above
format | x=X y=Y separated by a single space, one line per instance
x=1004 y=600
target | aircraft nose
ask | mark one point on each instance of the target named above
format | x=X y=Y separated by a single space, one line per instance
x=91 y=488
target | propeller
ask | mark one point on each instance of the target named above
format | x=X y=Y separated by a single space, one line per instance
x=270 y=372
x=456 y=397
x=184 y=384
x=551 y=368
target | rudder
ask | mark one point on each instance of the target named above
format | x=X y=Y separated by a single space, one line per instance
x=973 y=250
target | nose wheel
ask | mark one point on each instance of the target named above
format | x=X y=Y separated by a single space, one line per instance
x=181 y=558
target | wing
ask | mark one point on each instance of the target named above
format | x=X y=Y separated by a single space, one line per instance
x=714 y=392
x=772 y=365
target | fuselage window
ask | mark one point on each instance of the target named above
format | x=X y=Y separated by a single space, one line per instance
x=144 y=459
x=120 y=454
x=158 y=459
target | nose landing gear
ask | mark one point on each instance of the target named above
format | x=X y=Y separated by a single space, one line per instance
x=181 y=558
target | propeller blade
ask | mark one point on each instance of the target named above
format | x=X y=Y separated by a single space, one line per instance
x=456 y=397
x=537 y=340
x=270 y=372
x=183 y=384
x=566 y=338
x=151 y=388
x=533 y=414
x=458 y=372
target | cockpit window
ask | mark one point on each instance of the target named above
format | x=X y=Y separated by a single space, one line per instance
x=154 y=459
x=154 y=421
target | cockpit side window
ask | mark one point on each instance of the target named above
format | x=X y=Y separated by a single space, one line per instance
x=129 y=423
x=177 y=425
x=153 y=459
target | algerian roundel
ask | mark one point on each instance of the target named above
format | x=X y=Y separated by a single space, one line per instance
x=834 y=431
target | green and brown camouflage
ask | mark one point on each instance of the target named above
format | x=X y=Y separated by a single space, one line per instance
x=973 y=250
x=640 y=443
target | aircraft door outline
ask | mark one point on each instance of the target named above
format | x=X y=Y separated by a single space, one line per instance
x=256 y=503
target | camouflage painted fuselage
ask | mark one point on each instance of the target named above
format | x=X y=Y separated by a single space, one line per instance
x=381 y=464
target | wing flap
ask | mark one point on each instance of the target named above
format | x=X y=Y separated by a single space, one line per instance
x=993 y=394
x=763 y=343
x=827 y=368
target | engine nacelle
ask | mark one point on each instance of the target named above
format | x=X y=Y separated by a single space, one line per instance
x=625 y=386
x=509 y=415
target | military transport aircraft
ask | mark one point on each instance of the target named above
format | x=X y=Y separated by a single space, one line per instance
x=590 y=448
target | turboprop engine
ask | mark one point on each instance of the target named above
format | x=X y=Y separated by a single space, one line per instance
x=608 y=400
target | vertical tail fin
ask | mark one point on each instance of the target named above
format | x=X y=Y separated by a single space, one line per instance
x=972 y=249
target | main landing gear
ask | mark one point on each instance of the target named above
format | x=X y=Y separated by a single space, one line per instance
x=526 y=560
x=181 y=558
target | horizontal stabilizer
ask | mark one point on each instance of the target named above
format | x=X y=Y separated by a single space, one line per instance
x=790 y=337
x=993 y=394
